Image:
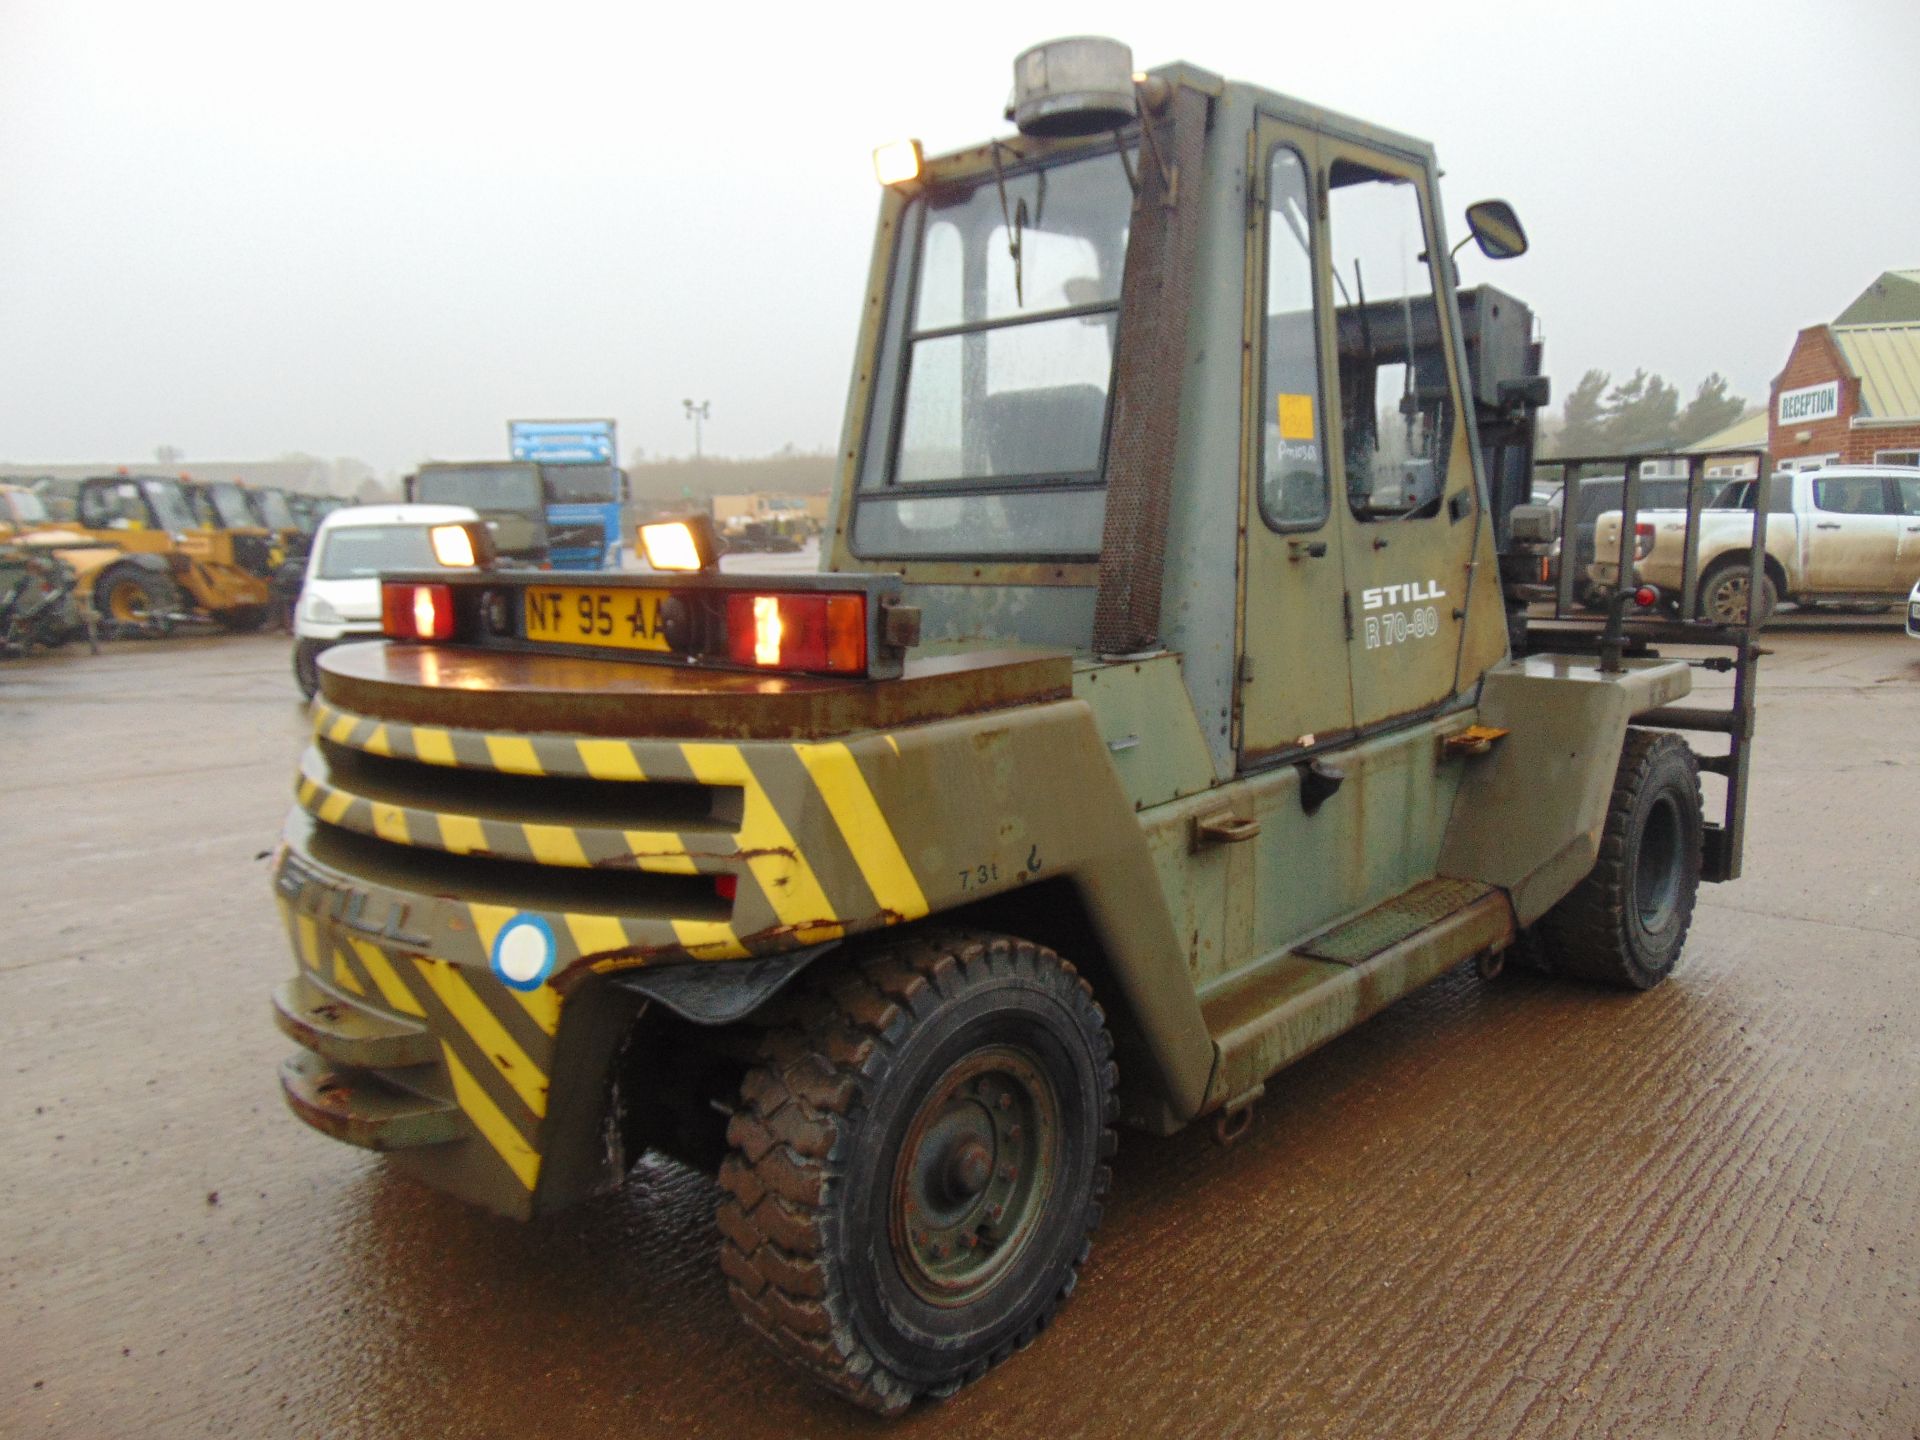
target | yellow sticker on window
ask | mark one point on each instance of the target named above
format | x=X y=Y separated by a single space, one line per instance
x=1296 y=417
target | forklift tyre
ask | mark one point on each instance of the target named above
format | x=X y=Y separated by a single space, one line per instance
x=1625 y=923
x=242 y=619
x=135 y=599
x=917 y=1163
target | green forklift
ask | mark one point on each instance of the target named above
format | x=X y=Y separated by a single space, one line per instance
x=1170 y=698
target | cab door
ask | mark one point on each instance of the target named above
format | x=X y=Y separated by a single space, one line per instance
x=1402 y=457
x=1853 y=535
x=1906 y=491
x=1292 y=689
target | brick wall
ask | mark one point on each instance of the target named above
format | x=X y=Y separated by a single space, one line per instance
x=1815 y=360
x=1862 y=444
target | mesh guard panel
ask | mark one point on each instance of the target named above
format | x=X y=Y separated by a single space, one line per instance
x=1152 y=346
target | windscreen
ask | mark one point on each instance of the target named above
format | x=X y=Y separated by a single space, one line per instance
x=990 y=424
x=484 y=487
x=357 y=552
x=581 y=484
x=273 y=510
x=230 y=507
x=170 y=506
x=25 y=507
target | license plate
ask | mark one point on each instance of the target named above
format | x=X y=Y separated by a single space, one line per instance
x=579 y=615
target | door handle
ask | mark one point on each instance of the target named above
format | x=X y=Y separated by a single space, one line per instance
x=1223 y=829
x=1306 y=549
x=1827 y=525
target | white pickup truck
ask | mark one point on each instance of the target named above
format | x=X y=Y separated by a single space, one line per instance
x=1847 y=534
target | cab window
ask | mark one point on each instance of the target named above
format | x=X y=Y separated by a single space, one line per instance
x=1851 y=495
x=990 y=422
x=1293 y=466
x=1396 y=407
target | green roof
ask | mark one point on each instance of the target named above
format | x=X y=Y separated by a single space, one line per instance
x=1893 y=299
x=1887 y=360
x=1749 y=432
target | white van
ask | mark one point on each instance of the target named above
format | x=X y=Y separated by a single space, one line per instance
x=340 y=596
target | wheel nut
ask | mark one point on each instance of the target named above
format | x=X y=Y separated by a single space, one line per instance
x=1006 y=1101
x=994 y=1212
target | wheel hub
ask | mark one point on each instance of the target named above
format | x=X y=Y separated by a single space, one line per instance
x=973 y=1175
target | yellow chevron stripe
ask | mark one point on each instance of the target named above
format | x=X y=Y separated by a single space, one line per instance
x=487 y=920
x=323 y=714
x=513 y=754
x=341 y=728
x=660 y=852
x=308 y=789
x=308 y=940
x=344 y=976
x=864 y=827
x=461 y=834
x=710 y=939
x=609 y=760
x=594 y=934
x=483 y=1027
x=392 y=988
x=555 y=845
x=434 y=747
x=390 y=823
x=377 y=742
x=334 y=806
x=494 y=1127
x=542 y=1004
x=789 y=883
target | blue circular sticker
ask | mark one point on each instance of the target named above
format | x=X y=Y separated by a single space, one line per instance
x=523 y=952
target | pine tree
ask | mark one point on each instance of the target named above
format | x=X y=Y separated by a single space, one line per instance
x=1641 y=414
x=1582 y=430
x=1711 y=409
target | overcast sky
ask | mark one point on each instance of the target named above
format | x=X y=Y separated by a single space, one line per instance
x=381 y=230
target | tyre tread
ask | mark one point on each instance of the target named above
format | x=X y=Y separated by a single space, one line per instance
x=790 y=1140
x=1585 y=935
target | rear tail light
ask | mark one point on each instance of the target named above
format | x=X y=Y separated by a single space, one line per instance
x=1642 y=540
x=417 y=612
x=826 y=633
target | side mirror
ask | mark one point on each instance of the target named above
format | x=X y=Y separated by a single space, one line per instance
x=1497 y=229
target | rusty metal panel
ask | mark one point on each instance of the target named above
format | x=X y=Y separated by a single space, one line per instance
x=1394 y=921
x=559 y=694
x=1294 y=1004
x=1142 y=711
x=1528 y=814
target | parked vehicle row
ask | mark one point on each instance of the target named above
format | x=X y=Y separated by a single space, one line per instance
x=1843 y=535
x=151 y=551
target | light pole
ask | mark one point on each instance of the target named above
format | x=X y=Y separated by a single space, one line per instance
x=696 y=413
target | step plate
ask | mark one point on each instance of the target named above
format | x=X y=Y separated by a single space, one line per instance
x=1387 y=925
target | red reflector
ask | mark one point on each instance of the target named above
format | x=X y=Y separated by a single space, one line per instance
x=726 y=886
x=417 y=612
x=1646 y=597
x=826 y=633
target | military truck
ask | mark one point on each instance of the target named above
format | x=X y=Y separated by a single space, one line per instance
x=1157 y=714
x=511 y=496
